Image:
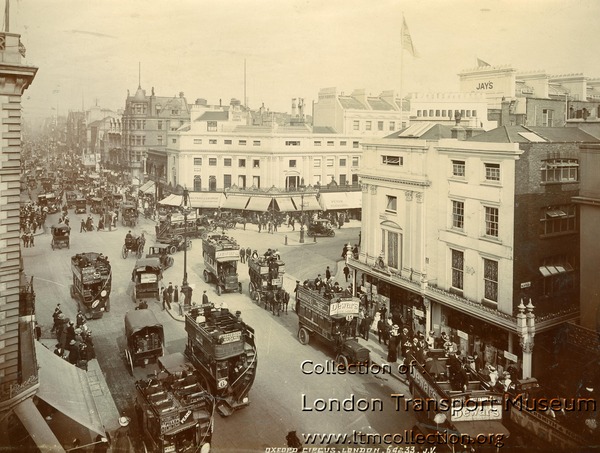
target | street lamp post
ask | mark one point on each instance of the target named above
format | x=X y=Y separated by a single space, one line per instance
x=302 y=216
x=186 y=209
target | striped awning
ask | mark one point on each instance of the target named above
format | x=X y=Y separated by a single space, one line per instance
x=211 y=200
x=171 y=200
x=147 y=187
x=334 y=200
x=310 y=203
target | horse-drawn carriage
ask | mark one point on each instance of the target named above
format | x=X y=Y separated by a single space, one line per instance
x=129 y=214
x=145 y=338
x=133 y=245
x=266 y=282
x=61 y=234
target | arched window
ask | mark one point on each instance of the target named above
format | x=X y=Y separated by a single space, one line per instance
x=391 y=244
x=212 y=183
x=197 y=183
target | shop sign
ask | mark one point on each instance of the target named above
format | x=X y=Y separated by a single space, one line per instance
x=226 y=253
x=418 y=313
x=510 y=356
x=344 y=307
x=525 y=285
x=461 y=334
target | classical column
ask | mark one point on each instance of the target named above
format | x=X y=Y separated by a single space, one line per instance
x=526 y=329
x=409 y=235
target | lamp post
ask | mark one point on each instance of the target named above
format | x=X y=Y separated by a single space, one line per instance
x=302 y=215
x=185 y=209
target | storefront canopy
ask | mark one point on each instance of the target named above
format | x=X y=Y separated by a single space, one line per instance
x=259 y=204
x=334 y=200
x=66 y=388
x=235 y=202
x=355 y=200
x=211 y=200
x=147 y=187
x=285 y=204
x=310 y=203
x=171 y=200
x=37 y=427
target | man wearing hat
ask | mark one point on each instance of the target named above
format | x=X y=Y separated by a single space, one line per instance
x=430 y=340
x=73 y=349
x=122 y=441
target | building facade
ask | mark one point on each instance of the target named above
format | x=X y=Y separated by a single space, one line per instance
x=471 y=235
x=360 y=114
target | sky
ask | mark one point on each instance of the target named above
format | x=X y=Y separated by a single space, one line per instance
x=89 y=51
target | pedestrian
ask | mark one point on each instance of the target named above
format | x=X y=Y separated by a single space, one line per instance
x=292 y=223
x=31 y=238
x=205 y=298
x=25 y=239
x=328 y=273
x=170 y=292
x=248 y=253
x=73 y=349
x=82 y=228
x=70 y=332
x=38 y=331
x=344 y=251
x=286 y=300
x=383 y=333
x=166 y=301
x=176 y=295
x=346 y=272
x=296 y=295
x=122 y=442
x=242 y=255
x=55 y=317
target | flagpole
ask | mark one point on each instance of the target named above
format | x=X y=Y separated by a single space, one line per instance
x=401 y=70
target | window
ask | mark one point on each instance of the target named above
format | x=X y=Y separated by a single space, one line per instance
x=160 y=139
x=392 y=125
x=342 y=162
x=256 y=181
x=292 y=143
x=458 y=168
x=392 y=203
x=160 y=125
x=379 y=125
x=492 y=172
x=355 y=161
x=197 y=161
x=437 y=113
x=560 y=170
x=174 y=112
x=329 y=161
x=228 y=142
x=343 y=143
x=242 y=142
x=490 y=280
x=431 y=112
x=444 y=113
x=558 y=274
x=457 y=265
x=368 y=125
x=256 y=163
x=256 y=143
x=354 y=144
x=317 y=143
x=226 y=181
x=227 y=162
x=292 y=163
x=211 y=126
x=212 y=141
x=474 y=113
x=330 y=143
x=242 y=163
x=458 y=214
x=343 y=180
x=559 y=219
x=317 y=163
x=547 y=117
x=197 y=141
x=392 y=160
x=356 y=125
x=212 y=161
x=419 y=113
x=491 y=221
x=212 y=183
x=174 y=140
x=197 y=183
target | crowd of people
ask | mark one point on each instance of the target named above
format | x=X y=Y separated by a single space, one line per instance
x=74 y=339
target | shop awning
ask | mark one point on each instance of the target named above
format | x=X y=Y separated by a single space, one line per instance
x=285 y=204
x=259 y=204
x=334 y=200
x=66 y=388
x=310 y=203
x=474 y=428
x=354 y=200
x=171 y=200
x=235 y=202
x=147 y=187
x=211 y=200
x=37 y=427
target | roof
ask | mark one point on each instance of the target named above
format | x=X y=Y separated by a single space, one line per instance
x=379 y=104
x=213 y=116
x=348 y=102
x=522 y=134
x=323 y=130
x=423 y=130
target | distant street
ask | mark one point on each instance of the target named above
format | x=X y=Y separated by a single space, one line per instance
x=276 y=404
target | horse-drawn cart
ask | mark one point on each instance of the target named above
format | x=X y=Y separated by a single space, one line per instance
x=145 y=338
